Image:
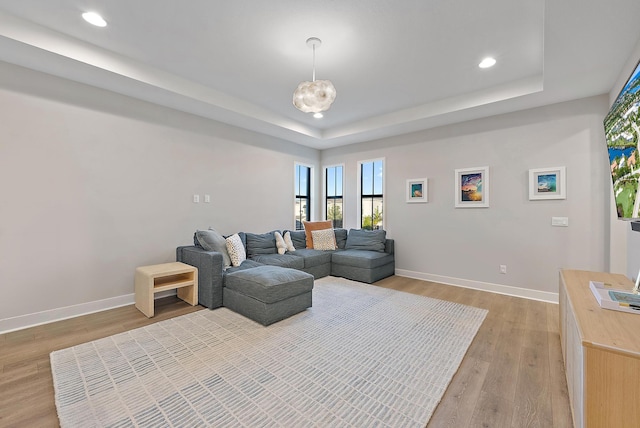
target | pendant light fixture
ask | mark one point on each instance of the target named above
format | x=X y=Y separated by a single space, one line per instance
x=315 y=96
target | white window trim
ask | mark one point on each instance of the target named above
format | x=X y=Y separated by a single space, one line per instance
x=311 y=187
x=384 y=192
x=324 y=191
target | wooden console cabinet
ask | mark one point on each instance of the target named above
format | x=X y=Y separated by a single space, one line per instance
x=601 y=351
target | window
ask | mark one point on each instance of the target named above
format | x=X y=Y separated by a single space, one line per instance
x=302 y=195
x=333 y=192
x=371 y=194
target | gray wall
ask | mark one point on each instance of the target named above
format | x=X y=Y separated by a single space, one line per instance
x=466 y=246
x=93 y=184
x=627 y=256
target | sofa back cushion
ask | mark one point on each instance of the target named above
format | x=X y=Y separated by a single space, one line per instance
x=372 y=240
x=341 y=237
x=263 y=243
x=298 y=238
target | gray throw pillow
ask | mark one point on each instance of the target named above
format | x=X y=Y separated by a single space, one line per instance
x=258 y=244
x=372 y=240
x=211 y=240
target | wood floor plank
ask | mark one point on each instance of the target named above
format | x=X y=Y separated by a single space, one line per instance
x=395 y=282
x=561 y=409
x=464 y=390
x=514 y=310
x=416 y=286
x=484 y=345
x=532 y=403
x=21 y=398
x=536 y=326
x=483 y=392
x=486 y=300
x=458 y=294
x=536 y=315
x=14 y=337
x=492 y=411
x=503 y=371
x=16 y=371
x=553 y=318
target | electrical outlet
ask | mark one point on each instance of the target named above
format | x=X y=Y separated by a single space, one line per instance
x=503 y=268
x=196 y=199
x=207 y=199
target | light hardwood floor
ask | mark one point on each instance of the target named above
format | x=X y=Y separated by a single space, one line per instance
x=512 y=375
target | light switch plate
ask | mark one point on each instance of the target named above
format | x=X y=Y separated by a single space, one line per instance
x=560 y=221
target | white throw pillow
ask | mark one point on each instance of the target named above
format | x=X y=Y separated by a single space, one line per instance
x=282 y=247
x=236 y=251
x=324 y=239
x=288 y=242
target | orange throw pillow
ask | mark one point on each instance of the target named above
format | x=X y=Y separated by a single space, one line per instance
x=314 y=225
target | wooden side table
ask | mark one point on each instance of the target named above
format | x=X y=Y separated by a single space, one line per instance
x=153 y=279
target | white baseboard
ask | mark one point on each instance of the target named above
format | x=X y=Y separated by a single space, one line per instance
x=8 y=325
x=525 y=293
x=31 y=320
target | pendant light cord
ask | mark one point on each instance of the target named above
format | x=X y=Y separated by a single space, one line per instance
x=314 y=63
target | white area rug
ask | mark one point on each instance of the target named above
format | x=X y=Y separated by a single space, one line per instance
x=362 y=356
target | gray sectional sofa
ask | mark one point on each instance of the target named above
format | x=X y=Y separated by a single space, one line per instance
x=365 y=256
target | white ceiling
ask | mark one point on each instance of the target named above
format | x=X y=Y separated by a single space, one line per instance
x=397 y=65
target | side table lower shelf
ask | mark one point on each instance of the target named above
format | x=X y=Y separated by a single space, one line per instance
x=153 y=279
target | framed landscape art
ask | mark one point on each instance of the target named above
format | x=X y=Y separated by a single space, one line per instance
x=547 y=183
x=472 y=187
x=417 y=190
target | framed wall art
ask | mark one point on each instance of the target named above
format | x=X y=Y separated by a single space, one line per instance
x=472 y=187
x=417 y=190
x=547 y=183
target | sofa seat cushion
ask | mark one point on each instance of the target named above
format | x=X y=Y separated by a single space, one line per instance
x=361 y=258
x=282 y=260
x=269 y=284
x=313 y=258
x=247 y=264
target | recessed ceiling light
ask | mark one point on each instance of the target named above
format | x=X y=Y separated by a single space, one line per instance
x=95 y=19
x=487 y=62
x=318 y=115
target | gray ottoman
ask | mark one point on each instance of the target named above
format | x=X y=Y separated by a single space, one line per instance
x=267 y=294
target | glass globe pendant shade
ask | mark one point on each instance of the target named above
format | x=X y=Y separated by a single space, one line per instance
x=314 y=97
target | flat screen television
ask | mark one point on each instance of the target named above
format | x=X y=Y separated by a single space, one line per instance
x=622 y=133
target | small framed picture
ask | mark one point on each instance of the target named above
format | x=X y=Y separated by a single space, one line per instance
x=417 y=190
x=472 y=187
x=547 y=183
